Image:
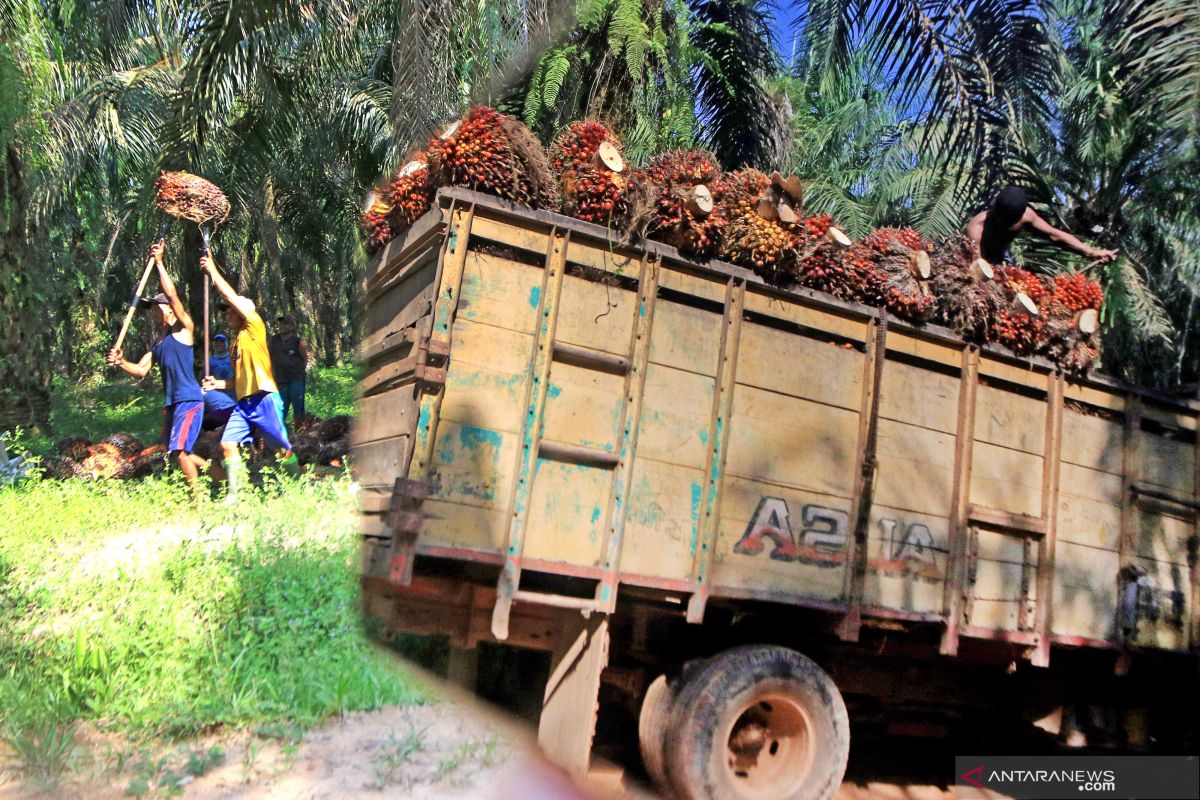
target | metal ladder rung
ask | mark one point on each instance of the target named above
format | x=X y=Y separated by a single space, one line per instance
x=558 y=600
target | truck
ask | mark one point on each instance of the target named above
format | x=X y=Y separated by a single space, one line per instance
x=754 y=515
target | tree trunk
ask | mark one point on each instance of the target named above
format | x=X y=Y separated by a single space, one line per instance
x=25 y=355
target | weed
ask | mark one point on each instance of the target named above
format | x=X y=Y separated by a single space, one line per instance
x=43 y=747
x=397 y=752
x=201 y=761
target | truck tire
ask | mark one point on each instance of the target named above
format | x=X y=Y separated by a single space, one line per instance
x=658 y=704
x=757 y=723
x=652 y=728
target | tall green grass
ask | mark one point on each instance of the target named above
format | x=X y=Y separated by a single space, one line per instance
x=131 y=606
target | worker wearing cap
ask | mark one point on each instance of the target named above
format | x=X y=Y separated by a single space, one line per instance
x=253 y=381
x=993 y=230
x=289 y=359
x=183 y=403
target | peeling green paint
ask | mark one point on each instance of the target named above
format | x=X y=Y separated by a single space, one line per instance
x=703 y=436
x=470 y=436
x=595 y=515
x=554 y=391
x=535 y=296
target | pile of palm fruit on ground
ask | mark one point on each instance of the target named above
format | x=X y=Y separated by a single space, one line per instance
x=318 y=444
x=747 y=218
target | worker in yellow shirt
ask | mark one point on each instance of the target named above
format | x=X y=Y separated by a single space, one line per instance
x=253 y=383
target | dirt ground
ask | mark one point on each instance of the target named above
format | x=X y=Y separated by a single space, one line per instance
x=446 y=750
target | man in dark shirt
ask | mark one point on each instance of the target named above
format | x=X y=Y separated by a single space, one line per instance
x=993 y=230
x=289 y=358
x=183 y=403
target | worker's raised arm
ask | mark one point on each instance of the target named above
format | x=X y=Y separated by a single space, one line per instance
x=975 y=228
x=168 y=287
x=116 y=358
x=1062 y=237
x=239 y=303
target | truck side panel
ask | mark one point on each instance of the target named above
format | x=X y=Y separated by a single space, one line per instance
x=761 y=419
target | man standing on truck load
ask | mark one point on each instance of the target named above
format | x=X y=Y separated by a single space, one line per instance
x=992 y=231
x=254 y=385
x=289 y=358
x=183 y=403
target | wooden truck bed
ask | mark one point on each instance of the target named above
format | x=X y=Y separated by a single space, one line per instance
x=543 y=400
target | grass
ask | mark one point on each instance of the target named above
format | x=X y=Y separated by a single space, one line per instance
x=120 y=403
x=126 y=605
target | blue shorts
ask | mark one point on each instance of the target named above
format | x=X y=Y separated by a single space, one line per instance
x=185 y=424
x=256 y=412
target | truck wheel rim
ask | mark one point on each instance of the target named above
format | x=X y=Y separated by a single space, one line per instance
x=768 y=747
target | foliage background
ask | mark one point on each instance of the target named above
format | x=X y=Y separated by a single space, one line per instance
x=892 y=111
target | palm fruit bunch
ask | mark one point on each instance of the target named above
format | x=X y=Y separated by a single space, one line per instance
x=1072 y=325
x=73 y=447
x=208 y=445
x=126 y=443
x=967 y=297
x=593 y=186
x=409 y=192
x=105 y=461
x=751 y=240
x=1019 y=325
x=825 y=262
x=374 y=226
x=491 y=153
x=151 y=461
x=687 y=187
x=901 y=267
x=186 y=196
x=61 y=468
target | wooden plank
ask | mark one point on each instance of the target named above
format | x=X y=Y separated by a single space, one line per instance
x=378 y=463
x=1163 y=536
x=385 y=415
x=398 y=254
x=565 y=518
x=906 y=570
x=1089 y=520
x=1047 y=547
x=610 y=257
x=500 y=292
x=1170 y=417
x=1028 y=376
x=866 y=462
x=531 y=430
x=919 y=397
x=629 y=429
x=1085 y=591
x=1011 y=420
x=471 y=464
x=484 y=398
x=568 y=720
x=400 y=308
x=1101 y=398
x=1092 y=442
x=793 y=442
x=1006 y=480
x=461 y=525
x=956 y=570
x=1166 y=463
x=596 y=316
x=675 y=416
x=522 y=232
x=818 y=319
x=705 y=288
x=662 y=518
x=949 y=355
x=916 y=469
x=715 y=466
x=816 y=370
x=781 y=542
x=1131 y=472
x=583 y=407
x=686 y=338
x=1006 y=520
